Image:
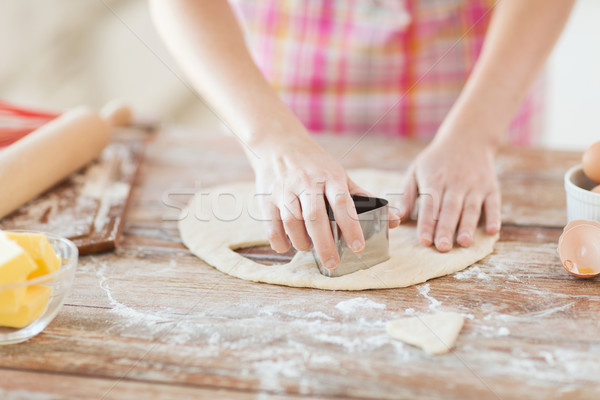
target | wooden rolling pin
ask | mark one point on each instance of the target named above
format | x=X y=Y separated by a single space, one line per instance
x=48 y=155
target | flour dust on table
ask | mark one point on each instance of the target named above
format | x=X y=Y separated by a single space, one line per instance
x=221 y=219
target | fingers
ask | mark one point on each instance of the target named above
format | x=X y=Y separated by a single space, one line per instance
x=318 y=226
x=353 y=188
x=293 y=223
x=492 y=210
x=452 y=205
x=410 y=193
x=469 y=219
x=393 y=220
x=345 y=216
x=428 y=212
x=275 y=231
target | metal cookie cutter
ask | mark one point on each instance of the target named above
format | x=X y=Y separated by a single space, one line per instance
x=373 y=217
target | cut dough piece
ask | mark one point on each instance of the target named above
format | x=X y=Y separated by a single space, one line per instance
x=435 y=333
x=220 y=219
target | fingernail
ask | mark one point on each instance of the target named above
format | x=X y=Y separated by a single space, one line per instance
x=357 y=246
x=426 y=240
x=331 y=264
x=492 y=227
x=463 y=236
x=444 y=243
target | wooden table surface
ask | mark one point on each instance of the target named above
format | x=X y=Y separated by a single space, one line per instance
x=152 y=321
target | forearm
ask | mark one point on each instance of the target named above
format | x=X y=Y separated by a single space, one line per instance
x=520 y=37
x=205 y=38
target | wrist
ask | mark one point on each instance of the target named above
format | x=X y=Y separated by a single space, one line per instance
x=277 y=139
x=470 y=136
x=472 y=126
x=274 y=133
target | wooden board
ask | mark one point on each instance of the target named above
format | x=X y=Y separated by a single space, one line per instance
x=89 y=206
x=150 y=320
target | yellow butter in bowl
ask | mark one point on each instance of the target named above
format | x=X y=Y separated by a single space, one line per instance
x=37 y=274
x=15 y=266
x=32 y=306
x=15 y=263
x=39 y=249
x=24 y=256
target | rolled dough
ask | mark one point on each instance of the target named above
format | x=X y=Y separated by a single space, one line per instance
x=223 y=218
x=435 y=333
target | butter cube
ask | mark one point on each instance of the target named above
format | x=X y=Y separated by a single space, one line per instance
x=39 y=249
x=15 y=263
x=10 y=299
x=15 y=266
x=33 y=305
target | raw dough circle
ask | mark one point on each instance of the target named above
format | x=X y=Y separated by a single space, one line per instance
x=223 y=218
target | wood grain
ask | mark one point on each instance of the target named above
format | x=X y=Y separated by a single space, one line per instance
x=150 y=320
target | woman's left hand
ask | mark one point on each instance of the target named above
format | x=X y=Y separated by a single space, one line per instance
x=454 y=180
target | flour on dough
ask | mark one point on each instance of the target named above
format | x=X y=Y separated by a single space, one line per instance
x=434 y=333
x=223 y=218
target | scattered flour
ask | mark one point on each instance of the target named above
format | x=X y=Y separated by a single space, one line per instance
x=323 y=360
x=214 y=339
x=424 y=291
x=409 y=311
x=470 y=273
x=24 y=394
x=344 y=341
x=158 y=324
x=371 y=323
x=318 y=315
x=270 y=373
x=273 y=310
x=131 y=315
x=548 y=357
x=503 y=331
x=352 y=305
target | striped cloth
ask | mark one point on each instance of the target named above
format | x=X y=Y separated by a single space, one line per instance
x=394 y=67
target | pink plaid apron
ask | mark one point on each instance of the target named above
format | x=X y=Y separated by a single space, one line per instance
x=392 y=67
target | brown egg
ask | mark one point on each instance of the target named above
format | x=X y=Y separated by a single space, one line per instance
x=579 y=248
x=591 y=162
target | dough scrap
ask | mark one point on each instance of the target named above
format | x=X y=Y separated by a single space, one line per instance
x=434 y=333
x=223 y=218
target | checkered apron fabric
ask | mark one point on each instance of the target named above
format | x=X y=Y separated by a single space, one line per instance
x=391 y=67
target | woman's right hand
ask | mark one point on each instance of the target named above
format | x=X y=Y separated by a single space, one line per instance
x=294 y=173
x=294 y=177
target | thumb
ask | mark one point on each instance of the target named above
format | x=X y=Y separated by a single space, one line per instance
x=409 y=194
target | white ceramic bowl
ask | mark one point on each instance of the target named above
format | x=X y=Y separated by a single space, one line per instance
x=59 y=282
x=581 y=202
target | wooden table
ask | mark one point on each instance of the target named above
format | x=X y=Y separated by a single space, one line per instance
x=152 y=321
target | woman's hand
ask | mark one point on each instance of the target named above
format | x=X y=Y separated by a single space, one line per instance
x=455 y=174
x=297 y=177
x=454 y=179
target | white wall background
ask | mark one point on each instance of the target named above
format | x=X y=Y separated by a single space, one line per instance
x=573 y=113
x=61 y=53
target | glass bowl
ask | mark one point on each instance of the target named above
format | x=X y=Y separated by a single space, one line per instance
x=59 y=282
